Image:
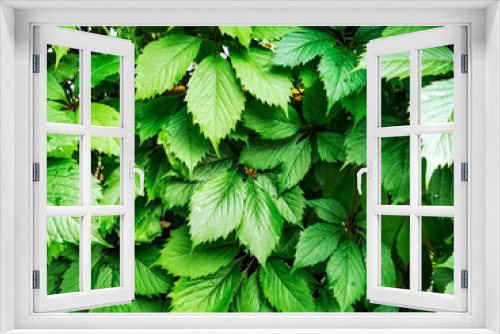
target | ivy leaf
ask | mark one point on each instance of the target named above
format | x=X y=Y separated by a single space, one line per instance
x=61 y=145
x=291 y=205
x=316 y=244
x=147 y=221
x=215 y=98
x=104 y=115
x=57 y=114
x=336 y=70
x=395 y=30
x=213 y=293
x=249 y=297
x=330 y=146
x=243 y=33
x=295 y=165
x=329 y=210
x=267 y=83
x=272 y=33
x=217 y=207
x=355 y=146
x=266 y=154
x=285 y=291
x=213 y=165
x=149 y=280
x=356 y=105
x=271 y=122
x=163 y=63
x=55 y=91
x=181 y=258
x=441 y=190
x=347 y=274
x=262 y=224
x=102 y=66
x=55 y=272
x=71 y=278
x=297 y=48
x=396 y=167
x=152 y=116
x=177 y=193
x=315 y=104
x=186 y=141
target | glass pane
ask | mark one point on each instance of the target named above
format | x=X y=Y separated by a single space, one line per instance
x=437 y=85
x=63 y=255
x=105 y=166
x=437 y=169
x=395 y=170
x=63 y=170
x=106 y=252
x=105 y=90
x=437 y=255
x=395 y=89
x=63 y=67
x=395 y=256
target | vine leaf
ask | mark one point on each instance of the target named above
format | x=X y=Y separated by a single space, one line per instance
x=295 y=165
x=149 y=280
x=153 y=115
x=355 y=146
x=266 y=154
x=177 y=193
x=249 y=297
x=396 y=167
x=329 y=210
x=104 y=115
x=316 y=244
x=330 y=146
x=291 y=205
x=272 y=33
x=315 y=104
x=147 y=221
x=243 y=33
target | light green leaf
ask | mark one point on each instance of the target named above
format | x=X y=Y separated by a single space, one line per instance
x=71 y=278
x=285 y=291
x=395 y=30
x=396 y=167
x=271 y=122
x=243 y=33
x=103 y=66
x=213 y=165
x=267 y=83
x=298 y=48
x=271 y=33
x=403 y=242
x=356 y=105
x=388 y=272
x=215 y=98
x=186 y=141
x=163 y=63
x=147 y=221
x=54 y=90
x=441 y=190
x=61 y=145
x=181 y=258
x=153 y=115
x=177 y=192
x=249 y=297
x=291 y=204
x=355 y=145
x=104 y=115
x=58 y=113
x=217 y=207
x=329 y=210
x=60 y=51
x=316 y=244
x=266 y=154
x=347 y=274
x=330 y=146
x=295 y=165
x=156 y=168
x=149 y=280
x=213 y=293
x=262 y=224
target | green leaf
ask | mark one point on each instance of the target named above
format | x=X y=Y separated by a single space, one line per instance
x=316 y=244
x=54 y=89
x=396 y=167
x=177 y=193
x=249 y=297
x=153 y=115
x=315 y=104
x=295 y=165
x=330 y=146
x=104 y=115
x=291 y=205
x=266 y=154
x=103 y=66
x=147 y=221
x=156 y=168
x=60 y=51
x=285 y=291
x=267 y=83
x=388 y=272
x=61 y=145
x=217 y=207
x=335 y=68
x=367 y=33
x=355 y=146
x=394 y=30
x=271 y=122
x=58 y=113
x=271 y=33
x=163 y=63
x=55 y=273
x=111 y=189
x=262 y=224
x=243 y=33
x=356 y=105
x=149 y=280
x=347 y=274
x=186 y=141
x=329 y=210
x=215 y=98
x=71 y=278
x=298 y=48
x=441 y=190
x=181 y=258
x=213 y=165
x=403 y=242
x=213 y=293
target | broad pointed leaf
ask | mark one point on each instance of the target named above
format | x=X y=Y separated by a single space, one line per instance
x=249 y=297
x=243 y=33
x=355 y=145
x=150 y=280
x=330 y=146
x=329 y=210
x=316 y=244
x=147 y=221
x=271 y=33
x=152 y=116
x=291 y=204
x=104 y=115
x=266 y=154
x=396 y=167
x=295 y=165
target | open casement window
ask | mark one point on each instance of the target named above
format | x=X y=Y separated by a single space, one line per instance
x=433 y=144
x=69 y=128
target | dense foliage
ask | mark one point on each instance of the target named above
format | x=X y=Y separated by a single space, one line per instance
x=250 y=138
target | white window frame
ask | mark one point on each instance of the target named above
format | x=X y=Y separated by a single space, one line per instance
x=414 y=43
x=87 y=43
x=16 y=270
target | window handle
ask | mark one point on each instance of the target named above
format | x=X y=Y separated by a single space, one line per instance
x=134 y=170
x=368 y=171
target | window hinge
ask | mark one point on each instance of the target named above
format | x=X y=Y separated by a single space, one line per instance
x=36 y=63
x=36 y=279
x=464 y=172
x=465 y=279
x=465 y=63
x=36 y=172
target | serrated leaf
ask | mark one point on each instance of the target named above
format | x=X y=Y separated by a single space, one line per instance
x=395 y=30
x=262 y=224
x=315 y=104
x=316 y=244
x=267 y=83
x=249 y=297
x=326 y=302
x=396 y=167
x=156 y=168
x=149 y=280
x=217 y=207
x=153 y=115
x=298 y=48
x=336 y=70
x=285 y=291
x=270 y=122
x=356 y=105
x=177 y=193
x=367 y=33
x=147 y=221
x=243 y=33
x=186 y=141
x=265 y=154
x=388 y=272
x=213 y=165
x=403 y=242
x=104 y=115
x=329 y=210
x=61 y=145
x=163 y=63
x=215 y=98
x=355 y=145
x=57 y=112
x=55 y=273
x=271 y=33
x=441 y=190
x=71 y=278
x=213 y=293
x=347 y=274
x=181 y=258
x=330 y=146
x=291 y=204
x=295 y=165
x=55 y=91
x=103 y=66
